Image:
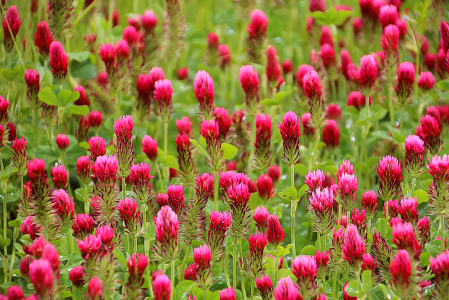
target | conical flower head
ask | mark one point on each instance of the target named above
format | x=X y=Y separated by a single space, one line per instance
x=314 y=180
x=265 y=287
x=353 y=247
x=58 y=61
x=227 y=294
x=203 y=259
x=290 y=129
x=123 y=144
x=286 y=290
x=275 y=233
x=414 y=155
x=250 y=84
x=11 y=25
x=43 y=39
x=129 y=212
x=176 y=198
x=389 y=170
x=305 y=269
x=167 y=226
x=369 y=203
x=429 y=131
x=163 y=93
x=260 y=216
x=321 y=203
x=347 y=187
x=162 y=287
x=219 y=225
x=367 y=75
x=401 y=271
x=204 y=93
x=404 y=237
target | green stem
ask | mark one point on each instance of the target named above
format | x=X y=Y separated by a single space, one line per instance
x=216 y=178
x=5 y=229
x=334 y=285
x=167 y=175
x=339 y=214
x=172 y=277
x=387 y=216
x=124 y=187
x=413 y=185
x=390 y=102
x=110 y=13
x=205 y=294
x=242 y=277
x=252 y=291
x=135 y=244
x=315 y=148
x=36 y=122
x=69 y=235
x=292 y=212
x=402 y=120
x=86 y=202
x=12 y=260
x=234 y=263
x=160 y=175
x=318 y=241
x=184 y=261
x=442 y=231
x=226 y=266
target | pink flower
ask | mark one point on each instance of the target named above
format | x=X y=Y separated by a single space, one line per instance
x=11 y=22
x=322 y=262
x=404 y=84
x=353 y=247
x=272 y=70
x=137 y=265
x=58 y=61
x=369 y=203
x=182 y=73
x=312 y=85
x=305 y=269
x=123 y=144
x=149 y=147
x=83 y=225
x=167 y=225
x=347 y=186
x=388 y=14
x=149 y=21
x=409 y=210
x=184 y=126
x=401 y=271
x=265 y=186
x=265 y=287
x=105 y=169
x=32 y=80
x=163 y=93
x=302 y=71
x=368 y=73
x=107 y=54
x=404 y=237
x=42 y=277
x=83 y=99
x=333 y=112
x=203 y=259
x=414 y=155
x=129 y=212
x=30 y=227
x=176 y=199
x=19 y=157
x=286 y=290
x=327 y=54
x=62 y=141
x=15 y=293
x=440 y=268
x=390 y=43
x=287 y=66
x=224 y=54
x=429 y=132
x=191 y=272
x=212 y=40
x=290 y=131
x=369 y=263
x=227 y=294
x=345 y=294
x=274 y=172
x=331 y=134
x=43 y=39
x=250 y=84
x=423 y=230
x=162 y=199
x=426 y=80
x=306 y=121
x=258 y=25
x=321 y=203
x=90 y=246
x=260 y=216
x=140 y=177
x=63 y=205
x=389 y=170
x=204 y=93
x=275 y=233
x=130 y=35
x=444 y=32
x=95 y=119
x=94 y=289
x=219 y=225
x=210 y=131
x=257 y=244
x=83 y=168
x=314 y=180
x=224 y=121
x=317 y=5
x=59 y=176
x=76 y=276
x=97 y=147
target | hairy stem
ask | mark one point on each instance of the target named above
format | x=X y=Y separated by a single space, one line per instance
x=442 y=233
x=234 y=263
x=216 y=177
x=242 y=277
x=390 y=102
x=292 y=212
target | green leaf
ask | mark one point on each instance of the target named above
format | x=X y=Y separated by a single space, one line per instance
x=229 y=151
x=8 y=173
x=65 y=97
x=255 y=200
x=15 y=223
x=379 y=115
x=354 y=289
x=47 y=96
x=424 y=259
x=198 y=147
x=120 y=256
x=281 y=95
x=170 y=162
x=308 y=250
x=183 y=289
x=367 y=284
x=78 y=56
x=421 y=196
x=434 y=247
x=85 y=145
x=82 y=110
x=302 y=190
x=443 y=84
x=289 y=193
x=203 y=142
x=83 y=70
x=268 y=102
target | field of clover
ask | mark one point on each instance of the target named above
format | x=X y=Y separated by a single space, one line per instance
x=224 y=150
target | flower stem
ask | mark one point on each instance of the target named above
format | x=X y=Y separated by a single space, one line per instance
x=442 y=231
x=402 y=120
x=413 y=185
x=124 y=187
x=117 y=104
x=226 y=266
x=234 y=263
x=216 y=177
x=390 y=101
x=172 y=277
x=12 y=258
x=160 y=175
x=205 y=294
x=315 y=148
x=36 y=122
x=70 y=237
x=167 y=175
x=5 y=229
x=86 y=200
x=252 y=291
x=339 y=214
x=387 y=216
x=334 y=285
x=292 y=212
x=318 y=241
x=242 y=277
x=184 y=261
